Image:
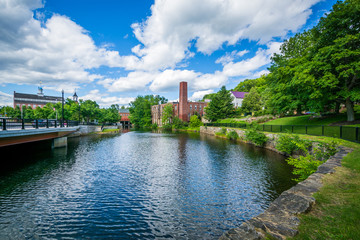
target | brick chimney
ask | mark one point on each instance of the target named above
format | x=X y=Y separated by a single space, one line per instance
x=183 y=102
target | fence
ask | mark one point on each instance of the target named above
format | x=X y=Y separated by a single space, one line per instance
x=12 y=123
x=343 y=132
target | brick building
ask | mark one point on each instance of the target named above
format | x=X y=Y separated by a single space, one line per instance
x=34 y=100
x=182 y=109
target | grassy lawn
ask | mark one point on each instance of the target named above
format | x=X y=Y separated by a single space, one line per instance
x=336 y=214
x=305 y=120
x=108 y=130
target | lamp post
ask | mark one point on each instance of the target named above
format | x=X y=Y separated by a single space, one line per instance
x=62 y=108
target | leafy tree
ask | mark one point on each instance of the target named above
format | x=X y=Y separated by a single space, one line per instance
x=252 y=101
x=110 y=115
x=167 y=114
x=140 y=110
x=209 y=96
x=247 y=84
x=90 y=110
x=336 y=60
x=220 y=106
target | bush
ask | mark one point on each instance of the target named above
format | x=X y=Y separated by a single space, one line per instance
x=167 y=127
x=222 y=132
x=304 y=166
x=232 y=135
x=178 y=123
x=308 y=164
x=288 y=144
x=252 y=135
x=154 y=126
x=195 y=121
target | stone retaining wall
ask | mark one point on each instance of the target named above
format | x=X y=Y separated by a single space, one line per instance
x=280 y=219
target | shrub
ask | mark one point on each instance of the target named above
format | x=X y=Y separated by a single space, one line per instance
x=195 y=121
x=167 y=127
x=288 y=144
x=154 y=126
x=304 y=166
x=308 y=164
x=178 y=123
x=222 y=132
x=252 y=135
x=232 y=135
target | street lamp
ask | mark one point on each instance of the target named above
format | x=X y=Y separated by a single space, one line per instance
x=62 y=108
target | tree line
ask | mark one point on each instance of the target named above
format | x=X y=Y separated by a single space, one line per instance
x=87 y=111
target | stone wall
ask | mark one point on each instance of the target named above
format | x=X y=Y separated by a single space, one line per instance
x=280 y=219
x=85 y=130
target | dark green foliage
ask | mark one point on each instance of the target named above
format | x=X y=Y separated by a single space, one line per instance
x=220 y=107
x=154 y=126
x=254 y=136
x=178 y=123
x=232 y=135
x=248 y=84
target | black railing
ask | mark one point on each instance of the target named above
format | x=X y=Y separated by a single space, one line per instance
x=343 y=132
x=12 y=123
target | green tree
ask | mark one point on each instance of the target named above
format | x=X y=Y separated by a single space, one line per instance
x=336 y=59
x=220 y=106
x=247 y=84
x=110 y=115
x=140 y=109
x=167 y=114
x=252 y=101
x=90 y=110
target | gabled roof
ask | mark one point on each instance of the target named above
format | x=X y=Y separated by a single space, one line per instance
x=38 y=97
x=239 y=94
x=126 y=110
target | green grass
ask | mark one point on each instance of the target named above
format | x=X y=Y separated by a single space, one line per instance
x=305 y=120
x=336 y=214
x=107 y=130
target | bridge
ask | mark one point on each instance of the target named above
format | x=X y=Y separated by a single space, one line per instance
x=19 y=131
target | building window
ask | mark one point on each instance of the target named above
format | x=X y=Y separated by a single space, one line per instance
x=190 y=107
x=175 y=108
x=195 y=107
x=200 y=107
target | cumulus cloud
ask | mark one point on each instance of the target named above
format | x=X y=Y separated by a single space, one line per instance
x=6 y=99
x=55 y=51
x=174 y=25
x=104 y=100
x=200 y=94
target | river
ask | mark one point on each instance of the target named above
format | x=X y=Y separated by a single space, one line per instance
x=137 y=185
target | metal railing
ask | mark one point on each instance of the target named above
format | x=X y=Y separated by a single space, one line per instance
x=17 y=124
x=343 y=132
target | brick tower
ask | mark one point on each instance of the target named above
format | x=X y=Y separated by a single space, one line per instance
x=183 y=102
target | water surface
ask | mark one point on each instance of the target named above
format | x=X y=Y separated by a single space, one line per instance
x=138 y=185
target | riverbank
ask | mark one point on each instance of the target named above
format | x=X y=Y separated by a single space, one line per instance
x=333 y=209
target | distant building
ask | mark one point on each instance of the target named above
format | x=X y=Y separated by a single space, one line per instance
x=182 y=109
x=34 y=100
x=124 y=113
x=238 y=97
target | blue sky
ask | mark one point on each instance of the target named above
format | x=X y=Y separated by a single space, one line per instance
x=111 y=51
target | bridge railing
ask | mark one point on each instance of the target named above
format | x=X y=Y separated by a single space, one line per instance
x=17 y=124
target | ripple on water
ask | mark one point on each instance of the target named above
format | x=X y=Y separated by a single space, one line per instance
x=140 y=185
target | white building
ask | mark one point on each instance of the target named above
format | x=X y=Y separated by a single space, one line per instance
x=238 y=97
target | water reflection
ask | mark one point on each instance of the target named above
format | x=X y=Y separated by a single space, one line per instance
x=140 y=185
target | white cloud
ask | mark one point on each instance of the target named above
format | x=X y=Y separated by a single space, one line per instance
x=57 y=51
x=167 y=34
x=199 y=95
x=104 y=100
x=6 y=99
x=169 y=80
x=134 y=81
